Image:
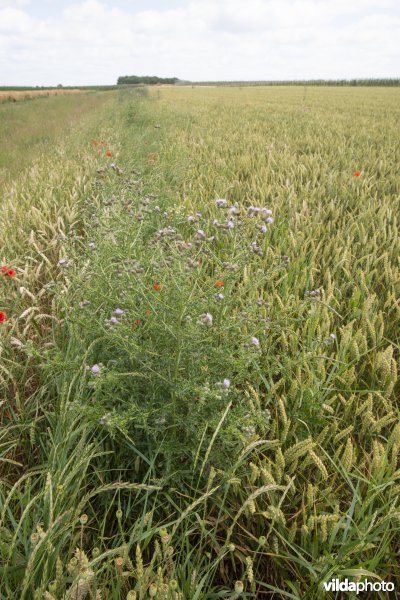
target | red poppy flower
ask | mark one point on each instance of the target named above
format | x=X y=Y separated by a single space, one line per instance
x=4 y=269
x=356 y=173
x=136 y=322
x=10 y=273
x=219 y=283
x=157 y=287
x=108 y=153
x=3 y=316
x=148 y=311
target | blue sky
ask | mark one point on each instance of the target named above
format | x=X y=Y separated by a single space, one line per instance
x=81 y=42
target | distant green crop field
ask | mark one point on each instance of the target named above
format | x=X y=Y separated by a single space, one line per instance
x=200 y=344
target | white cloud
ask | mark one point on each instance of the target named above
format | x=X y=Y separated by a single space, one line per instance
x=92 y=42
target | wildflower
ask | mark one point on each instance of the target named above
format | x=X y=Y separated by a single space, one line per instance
x=207 y=319
x=62 y=262
x=220 y=296
x=148 y=311
x=118 y=311
x=255 y=342
x=10 y=273
x=108 y=153
x=104 y=420
x=95 y=369
x=219 y=283
x=201 y=233
x=91 y=245
x=263 y=229
x=152 y=156
x=198 y=215
x=356 y=173
x=157 y=287
x=226 y=383
x=332 y=336
x=136 y=322
x=269 y=220
x=266 y=211
x=190 y=219
x=114 y=321
x=3 y=316
x=230 y=225
x=4 y=269
x=221 y=202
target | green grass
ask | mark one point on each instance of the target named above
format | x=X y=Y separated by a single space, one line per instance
x=152 y=475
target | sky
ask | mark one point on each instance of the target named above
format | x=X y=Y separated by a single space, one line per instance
x=88 y=42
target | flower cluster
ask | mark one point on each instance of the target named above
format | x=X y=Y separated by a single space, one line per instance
x=7 y=272
x=100 y=146
x=114 y=319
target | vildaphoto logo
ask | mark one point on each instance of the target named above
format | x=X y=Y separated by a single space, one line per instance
x=346 y=585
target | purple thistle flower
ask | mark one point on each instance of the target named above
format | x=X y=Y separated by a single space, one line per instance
x=95 y=369
x=119 y=311
x=230 y=225
x=208 y=318
x=221 y=202
x=201 y=233
x=255 y=342
x=263 y=229
x=270 y=220
x=226 y=383
x=114 y=321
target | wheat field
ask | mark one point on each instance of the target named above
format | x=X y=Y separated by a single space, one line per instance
x=199 y=344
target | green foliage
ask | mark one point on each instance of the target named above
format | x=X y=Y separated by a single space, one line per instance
x=145 y=79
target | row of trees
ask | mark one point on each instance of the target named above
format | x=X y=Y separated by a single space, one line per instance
x=146 y=79
x=345 y=82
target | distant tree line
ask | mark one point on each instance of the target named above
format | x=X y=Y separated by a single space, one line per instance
x=340 y=82
x=145 y=79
